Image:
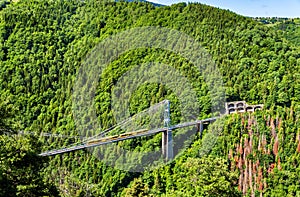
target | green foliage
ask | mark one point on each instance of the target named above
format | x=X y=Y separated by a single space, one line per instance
x=42 y=45
x=20 y=168
x=6 y=116
x=263 y=145
x=206 y=176
x=288 y=27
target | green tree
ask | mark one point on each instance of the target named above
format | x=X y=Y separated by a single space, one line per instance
x=207 y=176
x=20 y=168
x=5 y=116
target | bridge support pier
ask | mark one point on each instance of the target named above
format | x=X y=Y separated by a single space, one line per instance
x=167 y=144
x=200 y=128
x=167 y=139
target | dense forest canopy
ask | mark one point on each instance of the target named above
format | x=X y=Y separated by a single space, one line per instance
x=43 y=44
x=290 y=27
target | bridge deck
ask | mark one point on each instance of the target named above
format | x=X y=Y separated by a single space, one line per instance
x=121 y=137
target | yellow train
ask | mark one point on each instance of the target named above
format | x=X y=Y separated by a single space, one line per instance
x=116 y=137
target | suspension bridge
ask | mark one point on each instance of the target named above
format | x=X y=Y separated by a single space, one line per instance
x=166 y=130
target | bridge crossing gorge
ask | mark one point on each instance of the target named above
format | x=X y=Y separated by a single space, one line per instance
x=167 y=131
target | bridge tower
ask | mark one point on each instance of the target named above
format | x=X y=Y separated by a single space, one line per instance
x=200 y=128
x=167 y=139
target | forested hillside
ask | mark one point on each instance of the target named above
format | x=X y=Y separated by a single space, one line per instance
x=155 y=4
x=43 y=43
x=290 y=27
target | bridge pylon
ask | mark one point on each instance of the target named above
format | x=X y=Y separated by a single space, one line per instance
x=200 y=128
x=167 y=138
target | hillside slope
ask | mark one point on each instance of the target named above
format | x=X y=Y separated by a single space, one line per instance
x=290 y=27
x=43 y=44
x=144 y=1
